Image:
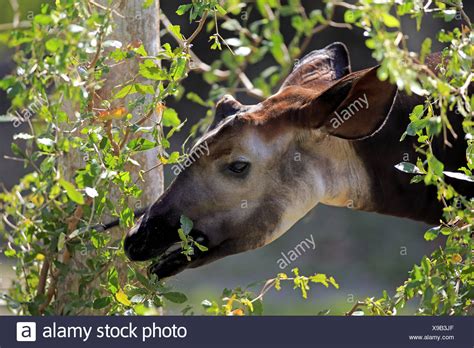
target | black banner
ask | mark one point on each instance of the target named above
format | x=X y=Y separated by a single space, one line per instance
x=327 y=332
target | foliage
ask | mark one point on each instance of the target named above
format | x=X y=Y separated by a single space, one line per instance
x=444 y=281
x=187 y=241
x=242 y=302
x=65 y=58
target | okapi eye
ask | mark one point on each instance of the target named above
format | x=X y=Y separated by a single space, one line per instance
x=238 y=167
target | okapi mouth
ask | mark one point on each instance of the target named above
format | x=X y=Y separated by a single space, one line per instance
x=173 y=261
x=158 y=240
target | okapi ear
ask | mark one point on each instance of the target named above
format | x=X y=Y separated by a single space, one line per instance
x=329 y=64
x=354 y=108
x=225 y=107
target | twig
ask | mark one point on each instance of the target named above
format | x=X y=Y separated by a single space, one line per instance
x=307 y=40
x=91 y=68
x=28 y=289
x=43 y=276
x=150 y=169
x=202 y=21
x=251 y=90
x=108 y=131
x=346 y=5
x=268 y=285
x=105 y=8
x=356 y=306
x=200 y=66
x=16 y=12
x=127 y=131
x=15 y=158
x=66 y=257
x=51 y=291
x=11 y=26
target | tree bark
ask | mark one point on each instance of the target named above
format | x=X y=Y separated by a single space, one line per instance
x=132 y=24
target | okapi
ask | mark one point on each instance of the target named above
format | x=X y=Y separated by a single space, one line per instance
x=328 y=136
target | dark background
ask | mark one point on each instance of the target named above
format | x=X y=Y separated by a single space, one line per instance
x=365 y=252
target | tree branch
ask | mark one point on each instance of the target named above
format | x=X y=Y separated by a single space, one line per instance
x=198 y=30
x=12 y=26
x=43 y=276
x=200 y=66
x=356 y=306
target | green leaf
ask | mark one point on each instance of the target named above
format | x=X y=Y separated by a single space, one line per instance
x=200 y=246
x=9 y=252
x=182 y=235
x=42 y=19
x=176 y=30
x=61 y=241
x=432 y=233
x=186 y=224
x=141 y=51
x=144 y=89
x=179 y=70
x=150 y=71
x=53 y=45
x=127 y=217
x=170 y=118
x=425 y=50
x=101 y=302
x=182 y=9
x=220 y=9
x=173 y=158
x=350 y=16
x=417 y=112
x=71 y=191
x=17 y=151
x=196 y=98
x=435 y=165
x=416 y=126
x=390 y=21
x=125 y=91
x=141 y=144
x=297 y=23
x=277 y=48
x=176 y=297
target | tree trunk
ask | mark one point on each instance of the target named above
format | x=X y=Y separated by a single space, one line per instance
x=132 y=24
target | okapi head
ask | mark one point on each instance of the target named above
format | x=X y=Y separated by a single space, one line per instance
x=261 y=168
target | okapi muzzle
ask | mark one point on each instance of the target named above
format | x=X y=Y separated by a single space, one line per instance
x=329 y=136
x=155 y=236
